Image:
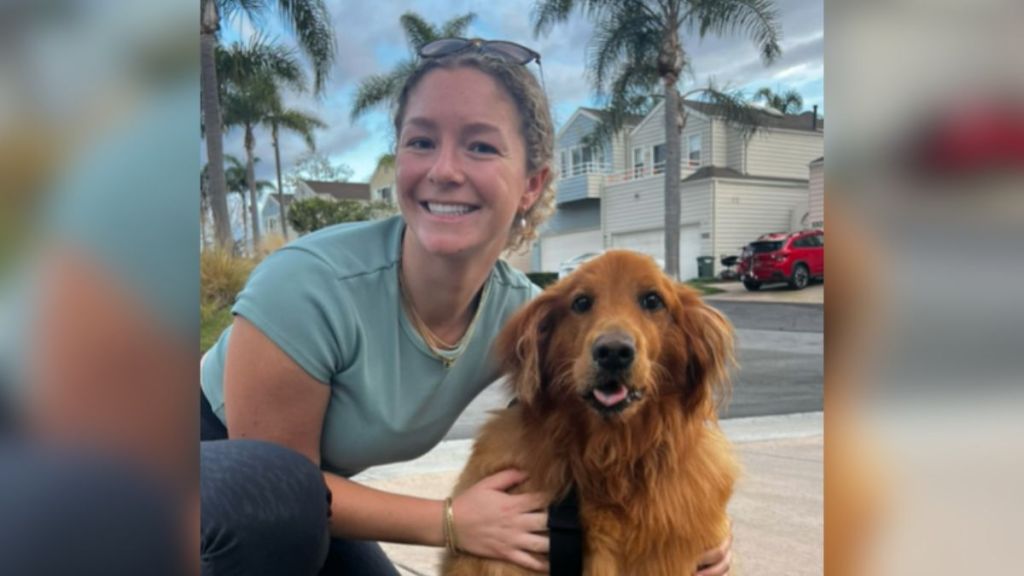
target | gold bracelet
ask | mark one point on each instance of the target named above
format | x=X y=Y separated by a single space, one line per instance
x=451 y=542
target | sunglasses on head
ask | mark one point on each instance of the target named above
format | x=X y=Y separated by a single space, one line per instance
x=500 y=48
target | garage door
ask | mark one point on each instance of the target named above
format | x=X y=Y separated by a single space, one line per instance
x=652 y=242
x=557 y=249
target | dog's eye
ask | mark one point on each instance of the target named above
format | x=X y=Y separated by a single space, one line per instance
x=651 y=301
x=581 y=304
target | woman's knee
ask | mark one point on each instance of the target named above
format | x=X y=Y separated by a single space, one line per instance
x=262 y=504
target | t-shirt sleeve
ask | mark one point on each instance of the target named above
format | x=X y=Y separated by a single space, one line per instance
x=292 y=297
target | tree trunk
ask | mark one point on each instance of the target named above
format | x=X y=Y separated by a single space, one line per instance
x=673 y=173
x=280 y=190
x=250 y=182
x=212 y=124
x=245 y=224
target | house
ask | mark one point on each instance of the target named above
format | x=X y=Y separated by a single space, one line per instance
x=734 y=187
x=816 y=194
x=270 y=215
x=382 y=183
x=575 y=227
x=332 y=190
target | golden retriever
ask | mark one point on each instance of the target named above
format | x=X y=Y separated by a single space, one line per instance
x=618 y=372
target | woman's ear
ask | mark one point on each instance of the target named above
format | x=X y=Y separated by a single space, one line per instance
x=708 y=347
x=535 y=185
x=520 y=347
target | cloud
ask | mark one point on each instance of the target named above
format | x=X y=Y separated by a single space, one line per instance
x=370 y=41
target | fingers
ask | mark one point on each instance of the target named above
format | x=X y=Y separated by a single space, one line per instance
x=504 y=480
x=532 y=501
x=529 y=561
x=534 y=543
x=534 y=522
x=718 y=569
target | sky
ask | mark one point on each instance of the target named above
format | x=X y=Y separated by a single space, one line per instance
x=370 y=41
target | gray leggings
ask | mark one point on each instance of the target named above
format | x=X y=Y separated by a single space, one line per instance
x=265 y=510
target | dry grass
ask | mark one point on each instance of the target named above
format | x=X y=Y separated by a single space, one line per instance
x=221 y=277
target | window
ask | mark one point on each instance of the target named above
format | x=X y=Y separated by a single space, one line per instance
x=658 y=163
x=694 y=150
x=577 y=159
x=565 y=163
x=638 y=162
x=385 y=194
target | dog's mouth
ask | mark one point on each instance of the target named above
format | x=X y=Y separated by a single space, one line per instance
x=611 y=397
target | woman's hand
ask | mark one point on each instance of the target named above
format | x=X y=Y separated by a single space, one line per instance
x=716 y=562
x=492 y=523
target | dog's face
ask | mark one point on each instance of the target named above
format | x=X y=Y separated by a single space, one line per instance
x=613 y=336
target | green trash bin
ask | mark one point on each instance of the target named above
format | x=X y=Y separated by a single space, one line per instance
x=705 y=266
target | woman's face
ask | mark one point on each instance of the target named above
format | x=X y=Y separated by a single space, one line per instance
x=461 y=164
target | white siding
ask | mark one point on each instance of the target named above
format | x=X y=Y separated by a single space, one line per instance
x=639 y=205
x=745 y=210
x=816 y=196
x=734 y=150
x=782 y=153
x=719 y=144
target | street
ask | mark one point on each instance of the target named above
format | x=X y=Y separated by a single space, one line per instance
x=780 y=350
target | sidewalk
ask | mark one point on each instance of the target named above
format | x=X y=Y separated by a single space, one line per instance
x=813 y=294
x=776 y=511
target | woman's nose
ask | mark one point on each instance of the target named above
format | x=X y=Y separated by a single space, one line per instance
x=447 y=169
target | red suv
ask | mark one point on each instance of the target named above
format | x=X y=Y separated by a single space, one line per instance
x=794 y=257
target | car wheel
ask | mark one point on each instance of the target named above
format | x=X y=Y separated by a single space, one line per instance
x=800 y=278
x=752 y=285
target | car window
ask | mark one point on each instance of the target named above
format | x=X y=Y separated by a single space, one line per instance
x=819 y=240
x=765 y=246
x=801 y=242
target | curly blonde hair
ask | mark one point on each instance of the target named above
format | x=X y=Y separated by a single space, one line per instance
x=536 y=128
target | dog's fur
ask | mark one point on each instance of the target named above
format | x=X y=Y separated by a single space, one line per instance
x=654 y=477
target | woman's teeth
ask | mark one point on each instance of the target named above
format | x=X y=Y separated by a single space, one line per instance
x=448 y=209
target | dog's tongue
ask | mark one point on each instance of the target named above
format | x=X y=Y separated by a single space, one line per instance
x=611 y=399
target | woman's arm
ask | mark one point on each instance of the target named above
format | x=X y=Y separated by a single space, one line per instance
x=269 y=397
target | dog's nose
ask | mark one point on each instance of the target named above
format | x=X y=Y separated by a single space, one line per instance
x=613 y=352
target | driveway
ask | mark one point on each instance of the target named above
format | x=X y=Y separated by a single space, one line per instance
x=813 y=294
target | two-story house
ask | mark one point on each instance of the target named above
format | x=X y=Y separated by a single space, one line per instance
x=734 y=188
x=332 y=190
x=575 y=227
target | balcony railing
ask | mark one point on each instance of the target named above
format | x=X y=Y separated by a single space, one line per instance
x=638 y=172
x=588 y=168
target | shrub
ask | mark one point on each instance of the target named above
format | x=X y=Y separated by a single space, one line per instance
x=543 y=279
x=221 y=277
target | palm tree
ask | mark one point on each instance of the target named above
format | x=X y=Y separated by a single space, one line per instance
x=638 y=45
x=789 y=103
x=235 y=183
x=252 y=75
x=302 y=124
x=384 y=88
x=310 y=22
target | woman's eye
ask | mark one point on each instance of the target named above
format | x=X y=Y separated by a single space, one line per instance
x=419 y=144
x=651 y=301
x=482 y=148
x=581 y=304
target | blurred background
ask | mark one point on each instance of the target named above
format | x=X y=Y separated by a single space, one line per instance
x=99 y=157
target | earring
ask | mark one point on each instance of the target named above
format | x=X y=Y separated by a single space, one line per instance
x=521 y=221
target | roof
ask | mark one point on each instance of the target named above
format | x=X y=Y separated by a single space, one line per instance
x=723 y=172
x=630 y=119
x=340 y=190
x=803 y=121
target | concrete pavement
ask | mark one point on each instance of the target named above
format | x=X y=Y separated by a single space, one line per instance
x=777 y=511
x=813 y=294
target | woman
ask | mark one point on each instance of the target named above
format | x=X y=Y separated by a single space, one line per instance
x=361 y=344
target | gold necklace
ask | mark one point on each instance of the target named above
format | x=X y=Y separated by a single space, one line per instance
x=443 y=351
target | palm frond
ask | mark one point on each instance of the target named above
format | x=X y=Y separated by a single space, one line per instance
x=624 y=38
x=302 y=123
x=757 y=18
x=547 y=13
x=310 y=21
x=232 y=9
x=732 y=107
x=380 y=89
x=417 y=30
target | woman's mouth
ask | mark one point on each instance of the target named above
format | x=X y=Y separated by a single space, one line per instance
x=446 y=209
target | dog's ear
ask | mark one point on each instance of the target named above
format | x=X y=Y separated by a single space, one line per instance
x=521 y=345
x=708 y=351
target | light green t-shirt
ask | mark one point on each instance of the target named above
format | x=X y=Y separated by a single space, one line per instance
x=331 y=302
